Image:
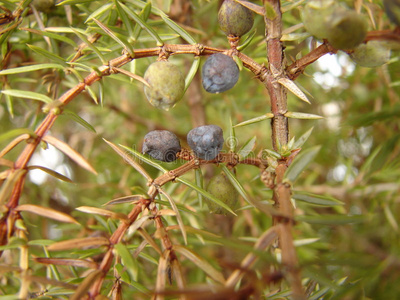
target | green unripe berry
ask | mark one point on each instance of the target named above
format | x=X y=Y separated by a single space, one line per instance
x=347 y=29
x=316 y=15
x=235 y=19
x=371 y=55
x=45 y=6
x=221 y=188
x=167 y=84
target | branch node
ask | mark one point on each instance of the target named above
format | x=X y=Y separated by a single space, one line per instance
x=112 y=70
x=172 y=174
x=163 y=55
x=199 y=48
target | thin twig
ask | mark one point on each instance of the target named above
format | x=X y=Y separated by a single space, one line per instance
x=297 y=68
x=282 y=195
x=115 y=238
x=265 y=240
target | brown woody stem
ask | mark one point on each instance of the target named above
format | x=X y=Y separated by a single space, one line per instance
x=277 y=93
x=280 y=136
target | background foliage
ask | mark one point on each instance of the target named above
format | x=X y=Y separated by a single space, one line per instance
x=348 y=248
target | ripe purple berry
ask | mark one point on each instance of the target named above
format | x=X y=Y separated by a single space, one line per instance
x=161 y=145
x=206 y=141
x=219 y=74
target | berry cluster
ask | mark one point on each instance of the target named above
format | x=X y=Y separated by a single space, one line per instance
x=344 y=29
x=205 y=141
x=220 y=72
x=166 y=83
